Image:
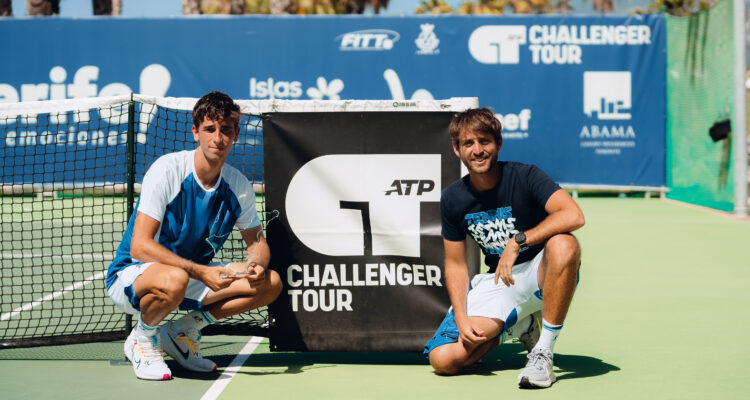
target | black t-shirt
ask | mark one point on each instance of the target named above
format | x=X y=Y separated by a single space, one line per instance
x=494 y=216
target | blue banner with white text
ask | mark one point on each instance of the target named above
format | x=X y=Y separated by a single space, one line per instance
x=581 y=97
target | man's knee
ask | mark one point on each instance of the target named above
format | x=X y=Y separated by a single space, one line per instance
x=275 y=285
x=268 y=290
x=443 y=362
x=171 y=285
x=563 y=250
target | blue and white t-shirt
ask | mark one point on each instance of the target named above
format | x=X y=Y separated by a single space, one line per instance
x=195 y=221
x=494 y=216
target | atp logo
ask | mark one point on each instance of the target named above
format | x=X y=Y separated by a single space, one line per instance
x=403 y=187
x=607 y=95
x=351 y=215
x=497 y=44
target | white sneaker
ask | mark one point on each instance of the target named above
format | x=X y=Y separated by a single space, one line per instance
x=184 y=347
x=538 y=372
x=146 y=356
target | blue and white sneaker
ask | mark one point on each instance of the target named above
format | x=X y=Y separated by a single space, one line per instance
x=184 y=347
x=145 y=354
x=538 y=372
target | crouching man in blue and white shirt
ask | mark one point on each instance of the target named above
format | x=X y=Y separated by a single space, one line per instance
x=189 y=203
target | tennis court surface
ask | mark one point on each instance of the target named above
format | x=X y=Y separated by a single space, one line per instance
x=660 y=312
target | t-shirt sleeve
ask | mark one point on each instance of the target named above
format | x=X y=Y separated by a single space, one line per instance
x=451 y=225
x=155 y=191
x=249 y=214
x=541 y=186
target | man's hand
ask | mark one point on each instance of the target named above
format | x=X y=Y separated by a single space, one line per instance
x=217 y=278
x=504 y=268
x=255 y=273
x=469 y=335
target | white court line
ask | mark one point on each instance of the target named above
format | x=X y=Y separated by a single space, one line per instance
x=51 y=296
x=223 y=380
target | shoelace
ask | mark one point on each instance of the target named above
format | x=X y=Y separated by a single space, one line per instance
x=151 y=351
x=539 y=359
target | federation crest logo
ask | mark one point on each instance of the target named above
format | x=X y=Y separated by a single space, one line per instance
x=427 y=41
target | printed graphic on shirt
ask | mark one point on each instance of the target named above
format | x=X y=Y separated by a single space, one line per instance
x=492 y=228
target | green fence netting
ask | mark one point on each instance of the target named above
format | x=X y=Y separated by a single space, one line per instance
x=699 y=95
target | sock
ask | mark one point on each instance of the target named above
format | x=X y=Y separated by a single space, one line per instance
x=197 y=319
x=145 y=330
x=548 y=336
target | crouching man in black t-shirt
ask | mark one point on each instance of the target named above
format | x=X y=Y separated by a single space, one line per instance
x=522 y=221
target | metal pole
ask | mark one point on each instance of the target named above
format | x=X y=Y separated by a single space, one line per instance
x=130 y=179
x=739 y=128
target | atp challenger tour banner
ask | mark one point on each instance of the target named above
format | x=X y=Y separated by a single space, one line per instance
x=582 y=97
x=357 y=243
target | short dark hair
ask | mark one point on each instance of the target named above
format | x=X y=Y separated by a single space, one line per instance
x=216 y=106
x=478 y=120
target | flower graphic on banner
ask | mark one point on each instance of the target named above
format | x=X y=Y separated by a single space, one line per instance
x=326 y=89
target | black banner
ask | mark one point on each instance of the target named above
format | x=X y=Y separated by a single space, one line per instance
x=357 y=243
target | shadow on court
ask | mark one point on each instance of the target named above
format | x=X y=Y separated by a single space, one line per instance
x=380 y=358
x=296 y=363
x=505 y=357
x=567 y=366
x=575 y=367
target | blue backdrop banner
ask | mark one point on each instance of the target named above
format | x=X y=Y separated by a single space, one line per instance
x=582 y=97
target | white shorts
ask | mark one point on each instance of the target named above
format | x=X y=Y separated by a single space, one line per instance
x=506 y=303
x=123 y=295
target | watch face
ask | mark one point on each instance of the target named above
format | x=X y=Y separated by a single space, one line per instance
x=520 y=238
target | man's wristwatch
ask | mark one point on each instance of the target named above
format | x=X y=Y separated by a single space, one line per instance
x=520 y=238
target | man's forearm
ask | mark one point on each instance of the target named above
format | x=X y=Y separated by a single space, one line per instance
x=457 y=284
x=555 y=224
x=151 y=251
x=564 y=216
x=259 y=254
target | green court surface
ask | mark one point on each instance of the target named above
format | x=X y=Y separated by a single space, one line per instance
x=660 y=312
